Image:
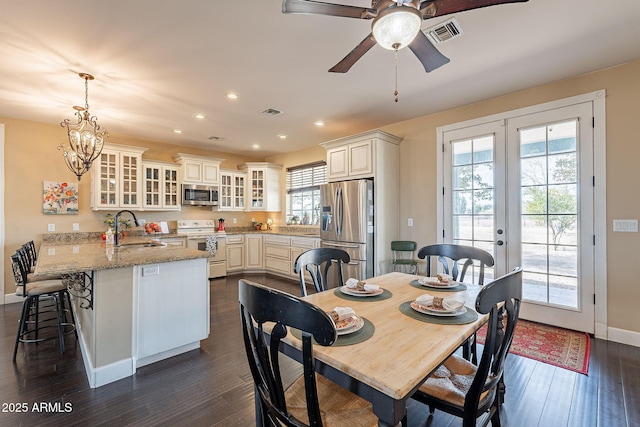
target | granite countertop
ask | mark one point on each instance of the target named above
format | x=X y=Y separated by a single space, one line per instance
x=293 y=231
x=59 y=258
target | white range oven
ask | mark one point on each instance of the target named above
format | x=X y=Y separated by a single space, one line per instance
x=197 y=232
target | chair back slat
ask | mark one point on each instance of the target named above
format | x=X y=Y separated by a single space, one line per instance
x=259 y=305
x=449 y=256
x=318 y=262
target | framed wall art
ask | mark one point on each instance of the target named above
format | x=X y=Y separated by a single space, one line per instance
x=60 y=198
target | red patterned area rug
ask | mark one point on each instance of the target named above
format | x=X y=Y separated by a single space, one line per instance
x=556 y=346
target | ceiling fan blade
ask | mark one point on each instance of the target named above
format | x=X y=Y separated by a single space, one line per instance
x=351 y=58
x=433 y=8
x=321 y=8
x=427 y=53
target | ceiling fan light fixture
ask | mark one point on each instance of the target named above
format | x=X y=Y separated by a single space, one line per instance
x=396 y=27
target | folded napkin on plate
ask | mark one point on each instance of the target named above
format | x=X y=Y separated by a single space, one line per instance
x=439 y=279
x=360 y=286
x=429 y=301
x=341 y=313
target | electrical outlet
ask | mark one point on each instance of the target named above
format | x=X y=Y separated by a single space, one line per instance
x=410 y=222
x=235 y=220
x=153 y=270
x=76 y=226
x=51 y=227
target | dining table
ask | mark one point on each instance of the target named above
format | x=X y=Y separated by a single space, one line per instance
x=398 y=348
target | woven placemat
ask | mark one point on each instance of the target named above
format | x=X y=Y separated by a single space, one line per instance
x=469 y=317
x=386 y=294
x=363 y=334
x=460 y=287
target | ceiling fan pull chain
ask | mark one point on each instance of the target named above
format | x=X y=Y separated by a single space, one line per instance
x=396 y=92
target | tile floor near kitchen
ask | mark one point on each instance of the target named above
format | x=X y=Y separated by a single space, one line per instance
x=212 y=386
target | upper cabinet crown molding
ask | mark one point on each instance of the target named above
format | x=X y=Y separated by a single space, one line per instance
x=198 y=169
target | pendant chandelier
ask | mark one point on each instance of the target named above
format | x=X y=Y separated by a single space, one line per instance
x=86 y=139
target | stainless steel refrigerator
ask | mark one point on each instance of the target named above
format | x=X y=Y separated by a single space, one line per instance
x=347 y=224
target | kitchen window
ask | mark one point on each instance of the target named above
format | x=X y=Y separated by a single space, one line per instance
x=303 y=192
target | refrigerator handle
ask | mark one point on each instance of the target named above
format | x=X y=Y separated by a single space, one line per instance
x=340 y=245
x=339 y=206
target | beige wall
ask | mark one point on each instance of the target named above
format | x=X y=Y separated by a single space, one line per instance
x=24 y=175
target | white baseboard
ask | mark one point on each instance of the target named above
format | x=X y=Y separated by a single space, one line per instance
x=624 y=336
x=166 y=354
x=106 y=374
x=13 y=298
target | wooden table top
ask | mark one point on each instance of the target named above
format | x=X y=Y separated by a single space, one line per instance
x=403 y=351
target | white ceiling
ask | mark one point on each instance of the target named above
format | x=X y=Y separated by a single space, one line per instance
x=158 y=62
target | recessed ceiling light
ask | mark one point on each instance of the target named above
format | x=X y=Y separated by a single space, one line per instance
x=232 y=95
x=255 y=146
x=198 y=116
x=177 y=131
x=282 y=136
x=319 y=123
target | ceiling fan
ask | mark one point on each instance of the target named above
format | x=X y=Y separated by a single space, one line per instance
x=396 y=24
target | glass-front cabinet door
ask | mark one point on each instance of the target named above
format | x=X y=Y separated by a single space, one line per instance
x=107 y=181
x=232 y=191
x=257 y=188
x=238 y=191
x=225 y=198
x=160 y=187
x=116 y=178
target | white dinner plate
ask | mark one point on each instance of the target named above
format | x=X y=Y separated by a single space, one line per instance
x=357 y=293
x=353 y=324
x=437 y=312
x=432 y=282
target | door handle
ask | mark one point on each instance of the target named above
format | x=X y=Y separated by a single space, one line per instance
x=499 y=243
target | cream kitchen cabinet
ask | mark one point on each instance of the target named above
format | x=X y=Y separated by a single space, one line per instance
x=235 y=252
x=277 y=254
x=253 y=252
x=263 y=186
x=161 y=186
x=361 y=156
x=198 y=169
x=232 y=191
x=116 y=178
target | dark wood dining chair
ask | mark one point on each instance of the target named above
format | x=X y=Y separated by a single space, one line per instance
x=450 y=257
x=463 y=389
x=311 y=400
x=318 y=262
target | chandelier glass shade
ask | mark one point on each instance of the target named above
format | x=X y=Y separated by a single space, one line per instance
x=85 y=137
x=396 y=27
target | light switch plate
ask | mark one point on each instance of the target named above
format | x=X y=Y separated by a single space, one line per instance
x=410 y=222
x=625 y=225
x=76 y=226
x=51 y=227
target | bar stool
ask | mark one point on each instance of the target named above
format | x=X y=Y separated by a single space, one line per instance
x=32 y=319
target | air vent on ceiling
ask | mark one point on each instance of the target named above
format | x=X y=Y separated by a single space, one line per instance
x=271 y=112
x=444 y=31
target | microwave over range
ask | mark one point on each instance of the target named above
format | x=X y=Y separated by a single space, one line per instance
x=199 y=195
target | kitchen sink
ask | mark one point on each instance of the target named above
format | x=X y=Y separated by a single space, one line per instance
x=143 y=244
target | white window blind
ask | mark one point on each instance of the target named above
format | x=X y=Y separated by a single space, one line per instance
x=306 y=177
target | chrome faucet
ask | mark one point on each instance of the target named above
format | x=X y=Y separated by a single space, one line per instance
x=116 y=220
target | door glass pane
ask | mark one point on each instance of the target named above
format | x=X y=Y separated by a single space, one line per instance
x=473 y=196
x=549 y=206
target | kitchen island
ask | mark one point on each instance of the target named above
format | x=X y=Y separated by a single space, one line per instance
x=135 y=304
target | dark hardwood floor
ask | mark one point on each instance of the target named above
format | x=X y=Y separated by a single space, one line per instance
x=212 y=386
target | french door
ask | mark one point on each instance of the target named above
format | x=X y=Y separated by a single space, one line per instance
x=522 y=189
